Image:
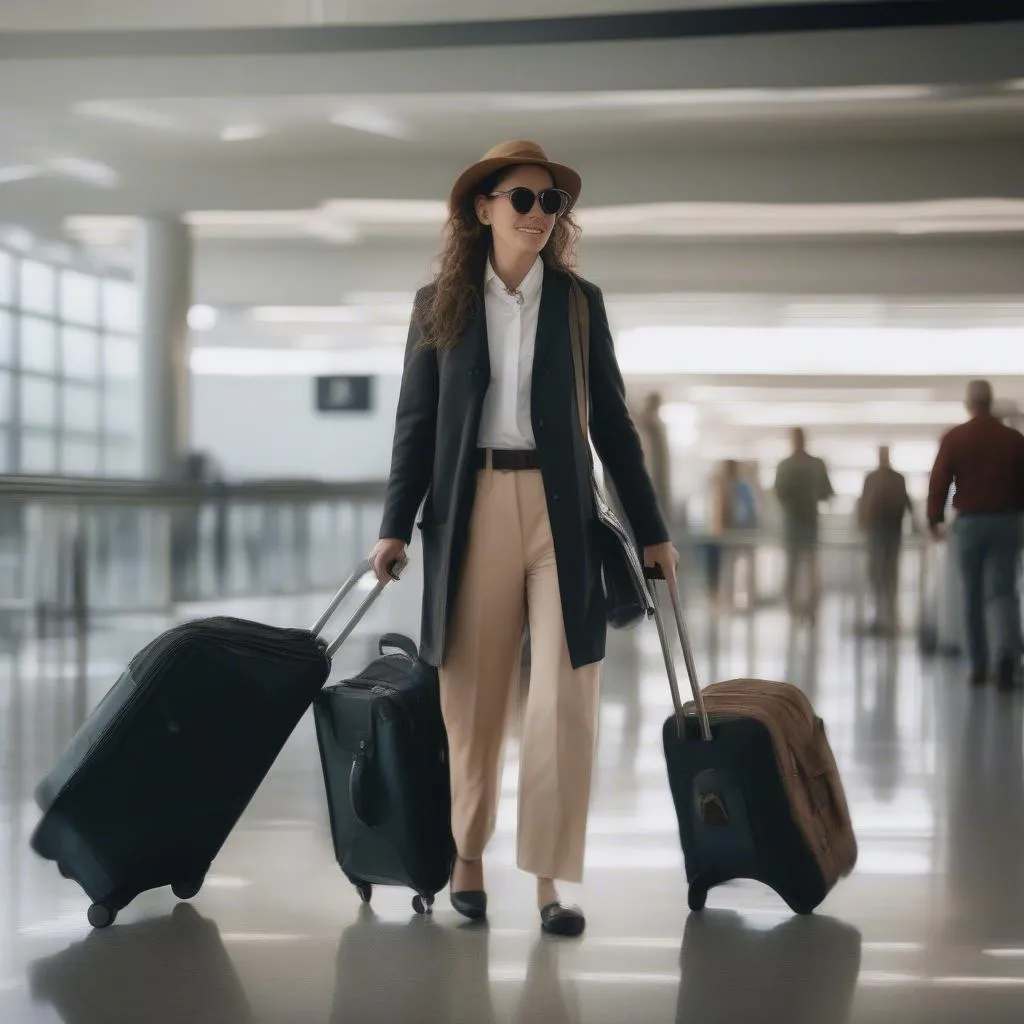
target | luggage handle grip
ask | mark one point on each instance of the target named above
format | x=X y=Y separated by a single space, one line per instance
x=398 y=642
x=652 y=573
x=394 y=571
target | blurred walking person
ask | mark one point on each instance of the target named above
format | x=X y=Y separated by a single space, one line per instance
x=984 y=459
x=801 y=484
x=654 y=438
x=884 y=502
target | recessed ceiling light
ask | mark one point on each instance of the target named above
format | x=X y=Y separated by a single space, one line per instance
x=373 y=122
x=242 y=132
x=18 y=172
x=202 y=318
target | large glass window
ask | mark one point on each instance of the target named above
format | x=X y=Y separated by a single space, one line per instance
x=38 y=291
x=38 y=345
x=5 y=338
x=121 y=357
x=80 y=352
x=122 y=408
x=6 y=272
x=80 y=458
x=80 y=407
x=68 y=350
x=79 y=298
x=120 y=306
x=38 y=401
x=38 y=452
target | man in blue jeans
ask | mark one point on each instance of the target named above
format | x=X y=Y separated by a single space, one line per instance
x=984 y=458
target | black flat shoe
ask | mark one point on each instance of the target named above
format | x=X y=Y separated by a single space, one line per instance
x=471 y=903
x=558 y=919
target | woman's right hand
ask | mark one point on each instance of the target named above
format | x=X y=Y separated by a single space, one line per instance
x=384 y=555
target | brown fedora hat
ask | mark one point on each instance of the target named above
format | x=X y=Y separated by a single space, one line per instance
x=514 y=154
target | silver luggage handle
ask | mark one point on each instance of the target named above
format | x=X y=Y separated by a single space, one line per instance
x=652 y=573
x=395 y=570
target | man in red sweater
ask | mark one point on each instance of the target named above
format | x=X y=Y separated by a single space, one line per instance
x=984 y=458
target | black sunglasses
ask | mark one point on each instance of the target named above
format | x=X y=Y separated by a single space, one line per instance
x=553 y=201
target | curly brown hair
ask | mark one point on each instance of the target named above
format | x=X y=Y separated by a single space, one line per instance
x=454 y=300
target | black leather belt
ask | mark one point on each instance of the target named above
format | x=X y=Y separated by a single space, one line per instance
x=505 y=459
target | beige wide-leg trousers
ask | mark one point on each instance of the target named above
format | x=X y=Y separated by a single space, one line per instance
x=509 y=572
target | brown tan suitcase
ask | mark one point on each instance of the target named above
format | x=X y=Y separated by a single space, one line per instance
x=755 y=785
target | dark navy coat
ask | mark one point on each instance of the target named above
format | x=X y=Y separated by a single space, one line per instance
x=434 y=462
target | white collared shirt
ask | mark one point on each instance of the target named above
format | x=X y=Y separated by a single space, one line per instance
x=511 y=339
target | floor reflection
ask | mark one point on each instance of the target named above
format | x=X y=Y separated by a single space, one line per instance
x=163 y=971
x=546 y=995
x=985 y=874
x=803 y=971
x=411 y=970
x=934 y=774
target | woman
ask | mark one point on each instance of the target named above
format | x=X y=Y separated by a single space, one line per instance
x=487 y=433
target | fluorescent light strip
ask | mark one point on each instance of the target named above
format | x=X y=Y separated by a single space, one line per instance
x=370 y=121
x=92 y=172
x=126 y=113
x=18 y=172
x=800 y=351
x=242 y=132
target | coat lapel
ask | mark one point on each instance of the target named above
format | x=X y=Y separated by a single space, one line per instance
x=552 y=319
x=474 y=354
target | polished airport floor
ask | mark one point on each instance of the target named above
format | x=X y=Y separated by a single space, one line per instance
x=930 y=928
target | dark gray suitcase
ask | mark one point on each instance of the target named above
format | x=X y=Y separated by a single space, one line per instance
x=154 y=781
x=384 y=751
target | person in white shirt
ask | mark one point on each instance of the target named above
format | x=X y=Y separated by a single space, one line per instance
x=488 y=439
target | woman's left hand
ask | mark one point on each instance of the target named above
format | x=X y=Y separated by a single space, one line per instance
x=664 y=555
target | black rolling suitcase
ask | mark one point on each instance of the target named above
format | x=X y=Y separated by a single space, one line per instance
x=755 y=785
x=156 y=778
x=384 y=751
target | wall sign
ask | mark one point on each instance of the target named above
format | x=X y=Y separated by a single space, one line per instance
x=343 y=394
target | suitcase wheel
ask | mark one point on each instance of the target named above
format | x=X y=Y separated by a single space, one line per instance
x=365 y=891
x=101 y=916
x=696 y=897
x=422 y=903
x=186 y=890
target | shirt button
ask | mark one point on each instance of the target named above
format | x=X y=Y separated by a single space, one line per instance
x=540 y=423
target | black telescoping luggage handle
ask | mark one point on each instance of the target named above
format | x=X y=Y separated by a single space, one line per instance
x=394 y=570
x=651 y=574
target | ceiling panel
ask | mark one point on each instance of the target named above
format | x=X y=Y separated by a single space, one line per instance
x=72 y=15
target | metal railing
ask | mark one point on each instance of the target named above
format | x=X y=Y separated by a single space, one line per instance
x=88 y=548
